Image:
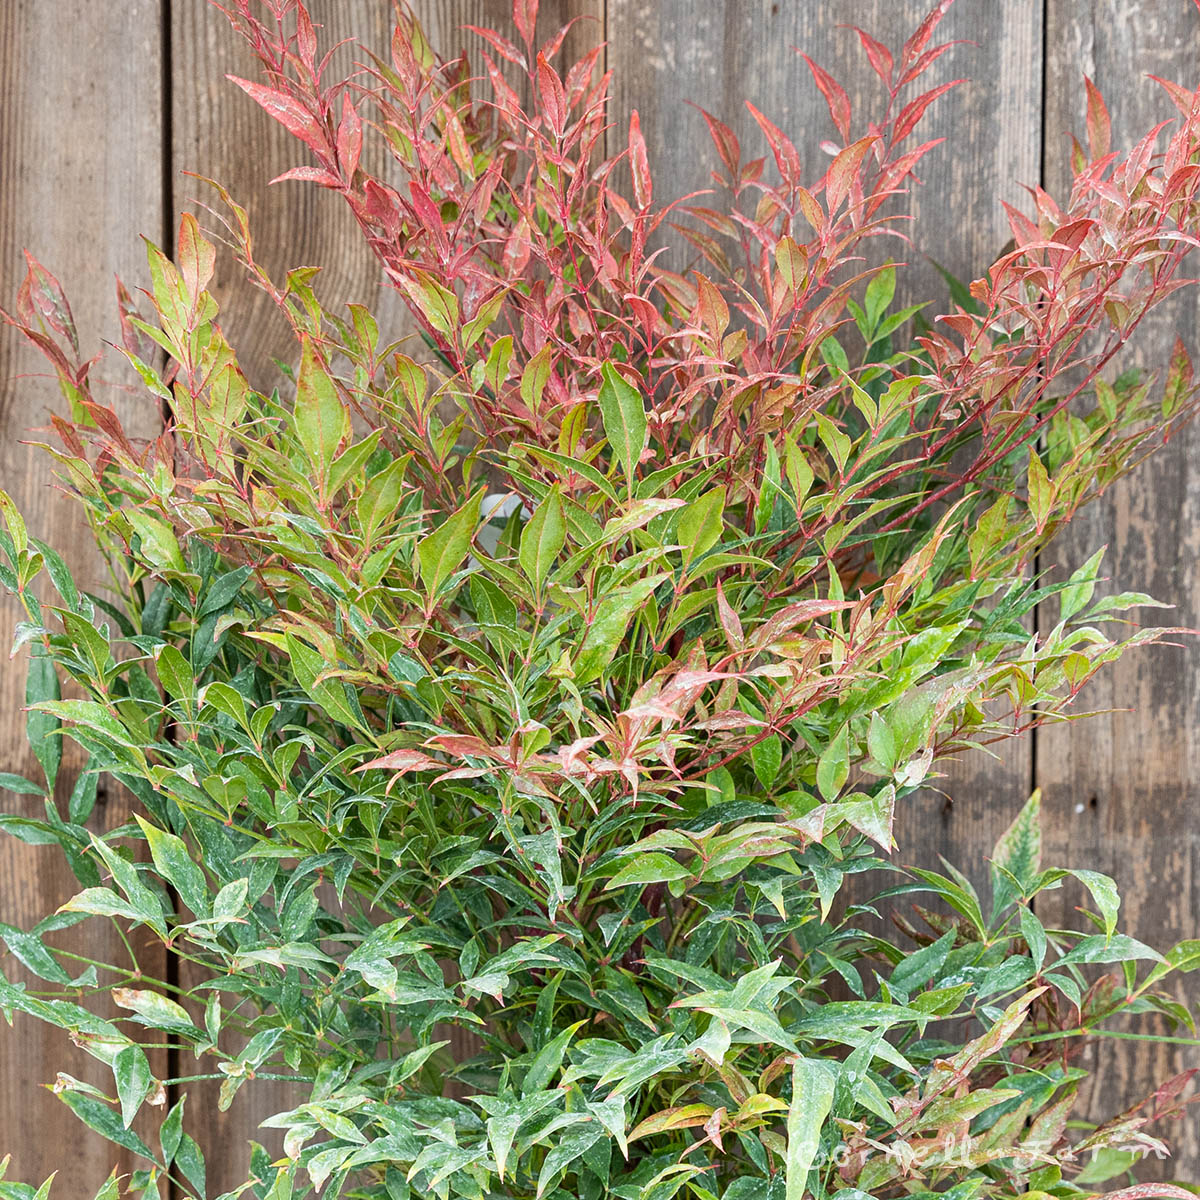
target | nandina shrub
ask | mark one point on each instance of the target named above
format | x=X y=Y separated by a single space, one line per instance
x=506 y=717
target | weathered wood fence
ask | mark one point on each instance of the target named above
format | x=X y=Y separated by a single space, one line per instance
x=105 y=103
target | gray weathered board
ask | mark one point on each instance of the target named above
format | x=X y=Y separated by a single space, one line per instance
x=106 y=104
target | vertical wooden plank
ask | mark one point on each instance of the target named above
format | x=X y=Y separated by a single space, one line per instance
x=220 y=133
x=1120 y=789
x=80 y=179
x=719 y=56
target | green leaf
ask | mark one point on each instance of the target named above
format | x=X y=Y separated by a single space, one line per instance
x=158 y=544
x=155 y=1010
x=135 y=1082
x=547 y=1062
x=322 y=419
x=652 y=867
x=29 y=951
x=624 y=415
x=175 y=864
x=1079 y=589
x=98 y=1116
x=542 y=539
x=441 y=553
x=766 y=757
x=812 y=1099
x=1104 y=893
x=607 y=629
x=1019 y=852
x=1040 y=490
x=700 y=525
x=42 y=728
x=170 y=1133
x=833 y=767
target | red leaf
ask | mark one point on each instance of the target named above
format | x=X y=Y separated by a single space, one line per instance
x=924 y=62
x=525 y=18
x=306 y=38
x=786 y=158
x=912 y=112
x=501 y=45
x=879 y=56
x=643 y=189
x=349 y=138
x=551 y=94
x=835 y=97
x=579 y=76
x=288 y=111
x=725 y=142
x=1183 y=99
x=920 y=39
x=506 y=99
x=516 y=250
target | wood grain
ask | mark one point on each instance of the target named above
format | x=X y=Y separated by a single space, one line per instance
x=80 y=179
x=1120 y=790
x=720 y=55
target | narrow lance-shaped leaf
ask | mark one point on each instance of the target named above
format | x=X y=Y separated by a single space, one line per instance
x=624 y=417
x=322 y=419
x=441 y=553
x=812 y=1098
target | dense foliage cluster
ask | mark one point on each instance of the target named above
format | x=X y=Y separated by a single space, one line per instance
x=517 y=722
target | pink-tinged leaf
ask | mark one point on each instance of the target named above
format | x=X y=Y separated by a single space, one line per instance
x=460 y=149
x=920 y=39
x=911 y=113
x=349 y=138
x=643 y=189
x=306 y=38
x=403 y=760
x=288 y=111
x=835 y=97
x=524 y=14
x=843 y=170
x=1143 y=1191
x=729 y=621
x=898 y=171
x=792 y=615
x=923 y=63
x=132 y=338
x=551 y=95
x=45 y=297
x=506 y=99
x=878 y=55
x=1181 y=97
x=501 y=45
x=579 y=75
x=310 y=175
x=1099 y=126
x=786 y=158
x=516 y=250
x=1179 y=380
x=726 y=143
x=197 y=257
